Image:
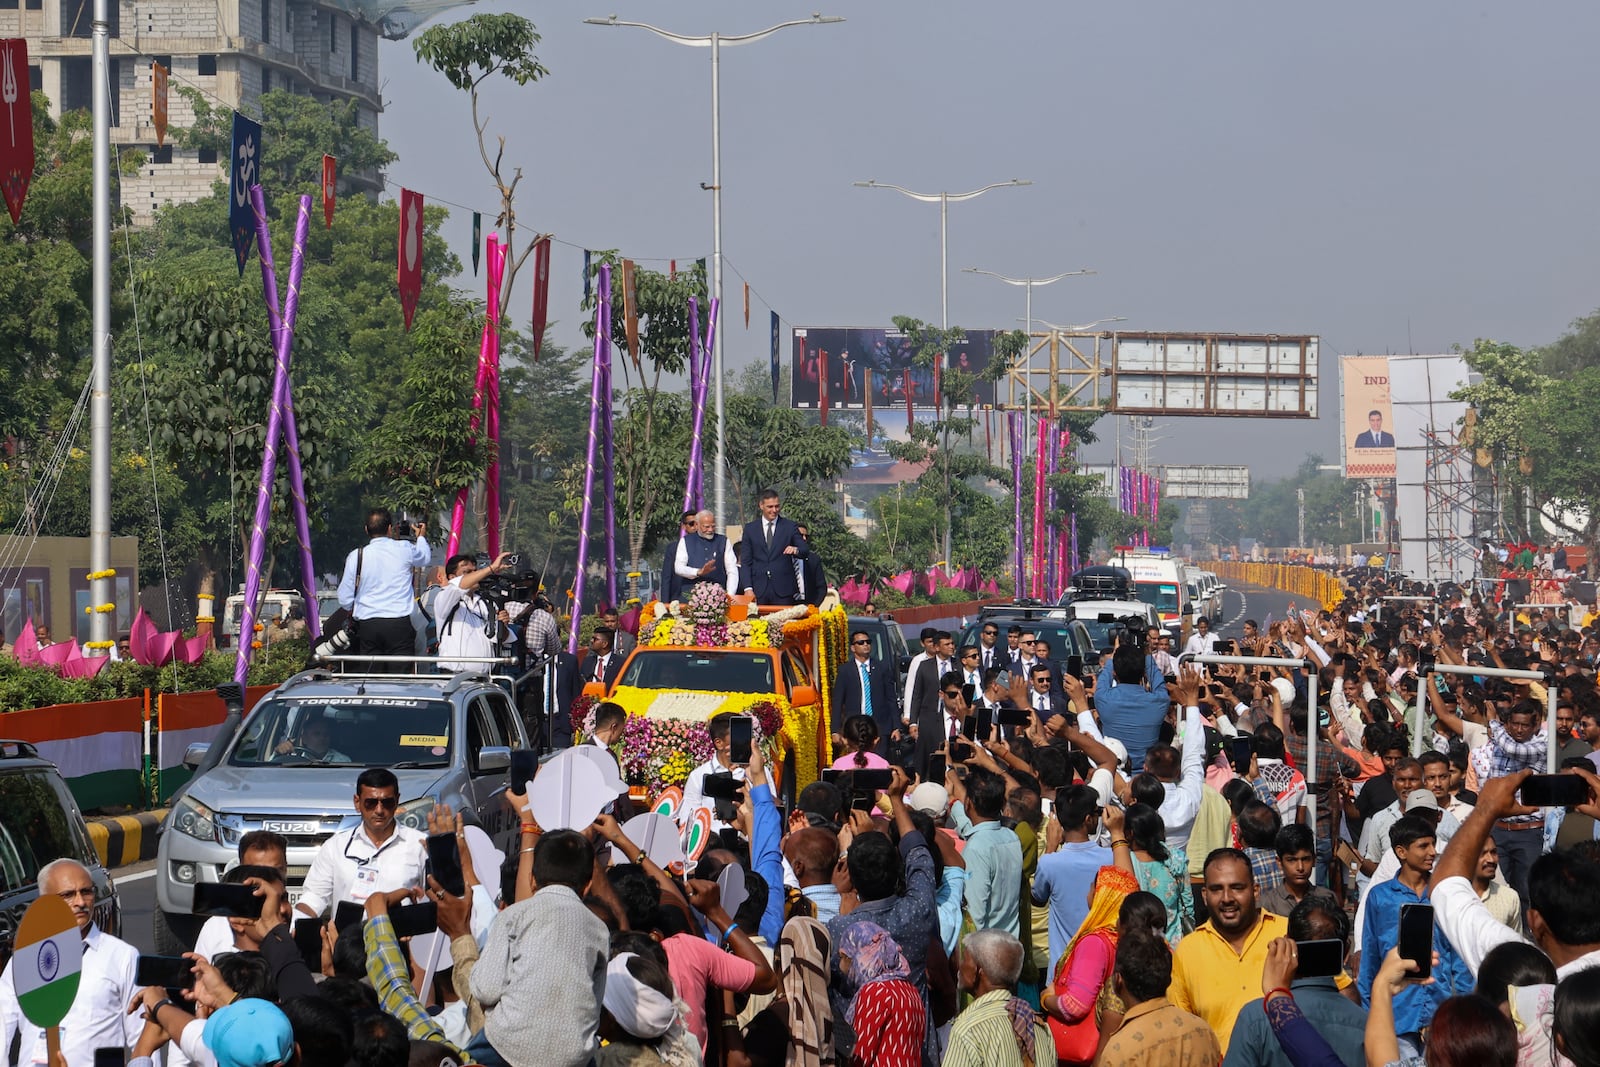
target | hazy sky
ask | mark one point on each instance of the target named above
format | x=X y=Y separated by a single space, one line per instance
x=1391 y=177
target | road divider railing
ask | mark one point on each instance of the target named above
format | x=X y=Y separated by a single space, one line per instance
x=1315 y=585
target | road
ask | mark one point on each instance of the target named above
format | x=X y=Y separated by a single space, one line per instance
x=136 y=883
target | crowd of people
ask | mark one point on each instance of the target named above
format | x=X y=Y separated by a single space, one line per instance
x=1130 y=868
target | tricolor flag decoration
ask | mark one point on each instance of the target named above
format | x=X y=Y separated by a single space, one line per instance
x=47 y=957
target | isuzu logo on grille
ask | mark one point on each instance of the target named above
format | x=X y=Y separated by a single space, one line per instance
x=284 y=826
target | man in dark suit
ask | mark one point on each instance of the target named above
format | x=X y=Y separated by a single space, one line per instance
x=934 y=727
x=1375 y=436
x=865 y=686
x=547 y=704
x=814 y=580
x=602 y=665
x=768 y=548
x=927 y=697
x=1058 y=670
x=671 y=585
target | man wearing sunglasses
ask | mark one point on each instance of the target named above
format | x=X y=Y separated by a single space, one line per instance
x=865 y=687
x=377 y=855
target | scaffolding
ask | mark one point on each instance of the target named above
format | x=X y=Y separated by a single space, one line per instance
x=1458 y=505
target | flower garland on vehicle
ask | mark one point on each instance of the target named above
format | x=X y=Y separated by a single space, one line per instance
x=658 y=751
x=703 y=623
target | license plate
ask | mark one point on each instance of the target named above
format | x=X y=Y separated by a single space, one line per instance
x=283 y=826
x=295 y=893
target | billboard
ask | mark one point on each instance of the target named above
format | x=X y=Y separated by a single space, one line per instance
x=1368 y=417
x=1273 y=375
x=851 y=357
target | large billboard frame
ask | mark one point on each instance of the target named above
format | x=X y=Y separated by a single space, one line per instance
x=854 y=352
x=1168 y=374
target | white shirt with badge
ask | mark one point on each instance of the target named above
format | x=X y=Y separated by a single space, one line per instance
x=99 y=1017
x=350 y=867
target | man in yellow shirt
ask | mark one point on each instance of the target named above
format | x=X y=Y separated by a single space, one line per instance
x=1217 y=969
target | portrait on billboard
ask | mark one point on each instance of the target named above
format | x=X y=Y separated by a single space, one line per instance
x=1368 y=417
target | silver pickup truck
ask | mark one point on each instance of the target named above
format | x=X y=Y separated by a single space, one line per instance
x=291 y=768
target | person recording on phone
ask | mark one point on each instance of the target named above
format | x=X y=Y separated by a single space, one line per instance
x=376 y=587
x=721 y=762
x=1412 y=840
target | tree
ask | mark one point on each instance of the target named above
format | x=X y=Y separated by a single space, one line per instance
x=651 y=426
x=469 y=53
x=296 y=132
x=1504 y=403
x=947 y=469
x=425 y=451
x=45 y=277
x=1564 y=453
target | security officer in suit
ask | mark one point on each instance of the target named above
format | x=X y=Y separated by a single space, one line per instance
x=602 y=664
x=768 y=548
x=865 y=686
x=671 y=584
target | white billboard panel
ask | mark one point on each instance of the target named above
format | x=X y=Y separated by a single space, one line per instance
x=1215 y=374
x=1206 y=483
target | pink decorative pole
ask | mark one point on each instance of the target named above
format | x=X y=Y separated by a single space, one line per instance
x=485 y=394
x=283 y=344
x=1038 y=512
x=602 y=349
x=1014 y=427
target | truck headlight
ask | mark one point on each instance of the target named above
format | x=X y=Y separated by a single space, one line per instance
x=194 y=819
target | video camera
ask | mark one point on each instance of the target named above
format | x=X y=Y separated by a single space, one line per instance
x=1133 y=632
x=517 y=581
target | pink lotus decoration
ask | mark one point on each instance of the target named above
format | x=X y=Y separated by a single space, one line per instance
x=64 y=657
x=154 y=648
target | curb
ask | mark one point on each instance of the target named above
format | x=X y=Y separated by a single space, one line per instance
x=123 y=839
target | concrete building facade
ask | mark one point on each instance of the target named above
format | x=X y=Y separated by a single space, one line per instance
x=230 y=50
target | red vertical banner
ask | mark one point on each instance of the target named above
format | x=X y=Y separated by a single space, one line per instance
x=672 y=269
x=541 y=293
x=410 y=259
x=630 y=309
x=16 y=129
x=158 y=102
x=330 y=180
x=822 y=384
x=911 y=419
x=938 y=371
x=747 y=305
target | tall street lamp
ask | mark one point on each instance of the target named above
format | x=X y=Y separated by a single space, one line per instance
x=1028 y=284
x=944 y=200
x=715 y=41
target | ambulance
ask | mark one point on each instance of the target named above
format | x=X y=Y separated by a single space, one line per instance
x=1158 y=580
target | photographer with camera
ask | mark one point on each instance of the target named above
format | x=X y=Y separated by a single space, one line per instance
x=468 y=625
x=376 y=588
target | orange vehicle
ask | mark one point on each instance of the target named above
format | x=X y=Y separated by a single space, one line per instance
x=668 y=676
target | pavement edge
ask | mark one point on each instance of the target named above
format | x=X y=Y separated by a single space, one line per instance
x=123 y=839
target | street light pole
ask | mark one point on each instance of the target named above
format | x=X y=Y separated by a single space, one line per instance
x=944 y=199
x=715 y=41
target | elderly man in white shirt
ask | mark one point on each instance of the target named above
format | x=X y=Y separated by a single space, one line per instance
x=706 y=556
x=377 y=855
x=99 y=1017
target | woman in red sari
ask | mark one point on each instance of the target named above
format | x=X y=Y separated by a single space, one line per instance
x=886 y=1011
x=1084 y=967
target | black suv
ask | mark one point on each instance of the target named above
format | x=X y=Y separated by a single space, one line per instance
x=40 y=822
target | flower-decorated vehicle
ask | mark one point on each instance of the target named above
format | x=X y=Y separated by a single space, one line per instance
x=712 y=655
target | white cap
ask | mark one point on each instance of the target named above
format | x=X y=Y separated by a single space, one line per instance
x=931 y=798
x=1117 y=748
x=1285 y=689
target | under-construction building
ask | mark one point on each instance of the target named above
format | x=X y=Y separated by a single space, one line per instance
x=232 y=51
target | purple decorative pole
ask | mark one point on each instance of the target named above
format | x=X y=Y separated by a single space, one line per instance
x=697 y=405
x=1014 y=425
x=608 y=472
x=283 y=343
x=602 y=347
